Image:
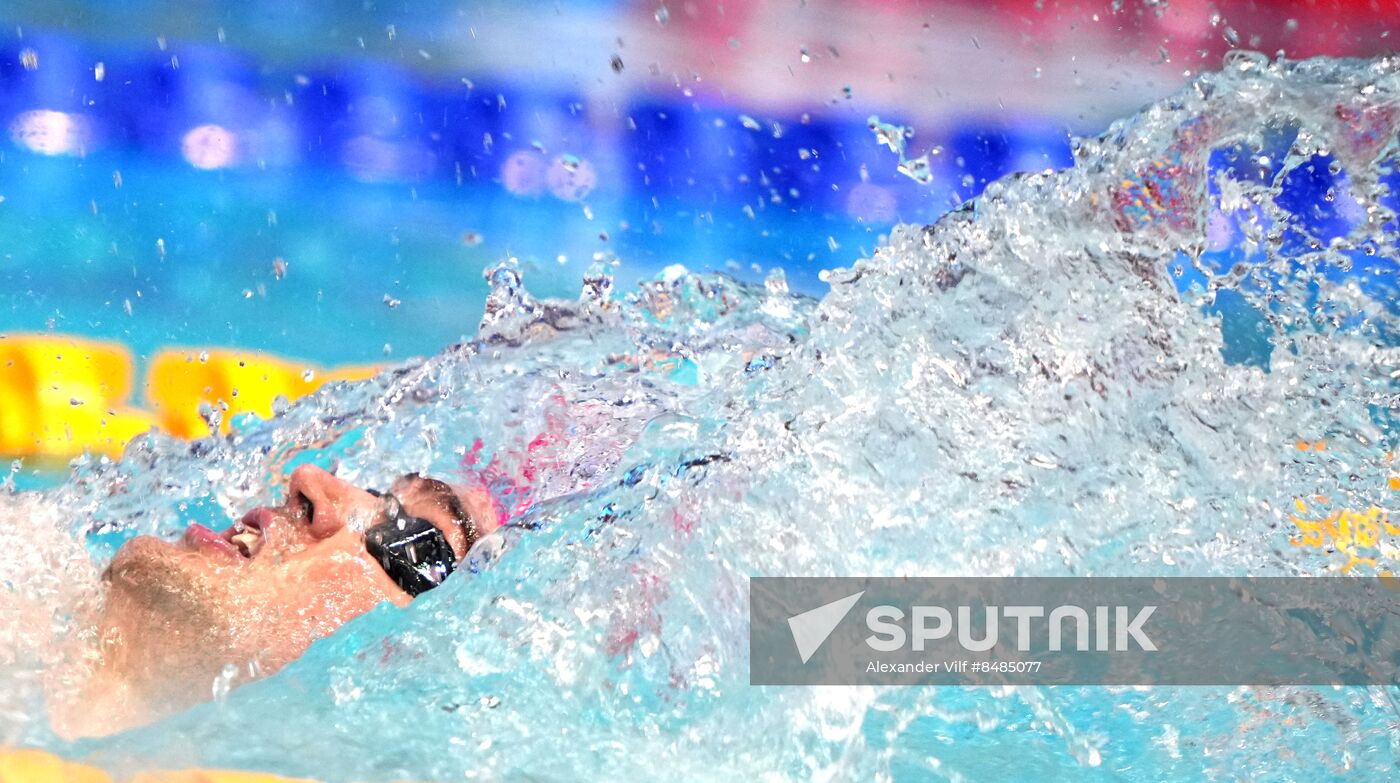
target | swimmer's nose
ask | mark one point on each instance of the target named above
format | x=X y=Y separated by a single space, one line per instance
x=327 y=502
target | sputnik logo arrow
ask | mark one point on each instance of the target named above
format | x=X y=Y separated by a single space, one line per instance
x=811 y=628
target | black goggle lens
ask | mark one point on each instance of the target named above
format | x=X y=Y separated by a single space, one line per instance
x=411 y=550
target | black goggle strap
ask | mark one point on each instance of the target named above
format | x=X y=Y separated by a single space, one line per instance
x=411 y=550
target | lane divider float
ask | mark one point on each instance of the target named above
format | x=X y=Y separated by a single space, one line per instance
x=61 y=395
x=25 y=765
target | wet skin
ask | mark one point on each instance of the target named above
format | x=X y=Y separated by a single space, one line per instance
x=251 y=598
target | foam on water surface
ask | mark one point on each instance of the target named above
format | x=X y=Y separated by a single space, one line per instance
x=1039 y=384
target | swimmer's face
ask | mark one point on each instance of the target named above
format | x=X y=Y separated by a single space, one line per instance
x=255 y=596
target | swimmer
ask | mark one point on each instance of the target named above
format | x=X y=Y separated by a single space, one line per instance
x=235 y=606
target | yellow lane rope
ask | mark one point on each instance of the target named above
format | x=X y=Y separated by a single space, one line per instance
x=61 y=395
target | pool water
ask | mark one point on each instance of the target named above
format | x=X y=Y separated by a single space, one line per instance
x=191 y=254
x=1036 y=384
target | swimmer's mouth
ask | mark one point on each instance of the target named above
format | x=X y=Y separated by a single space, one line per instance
x=247 y=535
x=242 y=540
x=200 y=538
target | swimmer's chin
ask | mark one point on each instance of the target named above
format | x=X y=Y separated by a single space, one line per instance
x=137 y=555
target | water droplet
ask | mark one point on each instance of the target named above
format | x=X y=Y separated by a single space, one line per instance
x=9 y=483
x=890 y=135
x=211 y=415
x=99 y=71
x=223 y=682
x=596 y=292
x=919 y=170
x=508 y=297
x=391 y=301
x=308 y=375
x=662 y=16
x=749 y=122
x=776 y=283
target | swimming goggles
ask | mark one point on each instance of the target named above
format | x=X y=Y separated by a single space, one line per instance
x=411 y=550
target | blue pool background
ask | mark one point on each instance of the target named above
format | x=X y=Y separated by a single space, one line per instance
x=123 y=219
